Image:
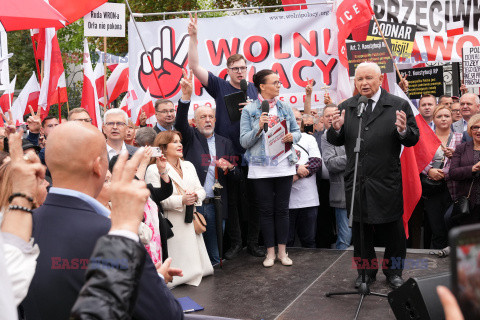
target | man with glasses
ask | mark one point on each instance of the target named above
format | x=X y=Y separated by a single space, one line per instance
x=165 y=114
x=79 y=114
x=115 y=129
x=218 y=88
x=456 y=115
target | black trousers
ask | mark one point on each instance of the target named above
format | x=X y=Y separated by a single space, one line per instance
x=326 y=222
x=393 y=235
x=272 y=199
x=435 y=207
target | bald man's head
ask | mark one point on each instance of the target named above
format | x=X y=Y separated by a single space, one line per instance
x=76 y=154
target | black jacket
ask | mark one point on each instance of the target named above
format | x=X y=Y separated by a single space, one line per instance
x=112 y=280
x=379 y=171
x=195 y=150
x=66 y=229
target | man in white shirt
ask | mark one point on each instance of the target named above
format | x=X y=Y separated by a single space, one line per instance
x=115 y=129
x=469 y=105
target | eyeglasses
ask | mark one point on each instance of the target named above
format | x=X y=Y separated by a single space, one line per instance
x=118 y=124
x=84 y=120
x=456 y=111
x=276 y=83
x=166 y=111
x=474 y=128
x=238 y=69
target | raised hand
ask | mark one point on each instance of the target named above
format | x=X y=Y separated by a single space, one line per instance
x=193 y=26
x=187 y=85
x=9 y=125
x=168 y=62
x=403 y=84
x=401 y=122
x=34 y=123
x=338 y=119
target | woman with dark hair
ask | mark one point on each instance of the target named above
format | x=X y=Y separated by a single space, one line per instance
x=186 y=248
x=271 y=176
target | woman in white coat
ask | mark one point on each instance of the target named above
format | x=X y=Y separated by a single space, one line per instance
x=186 y=248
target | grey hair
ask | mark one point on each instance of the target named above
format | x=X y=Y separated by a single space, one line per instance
x=115 y=111
x=477 y=99
x=373 y=65
x=320 y=112
x=145 y=136
x=195 y=113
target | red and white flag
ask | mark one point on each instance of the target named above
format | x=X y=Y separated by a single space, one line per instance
x=112 y=60
x=117 y=82
x=128 y=101
x=28 y=97
x=149 y=109
x=454 y=28
x=99 y=75
x=53 y=89
x=7 y=97
x=414 y=160
x=89 y=91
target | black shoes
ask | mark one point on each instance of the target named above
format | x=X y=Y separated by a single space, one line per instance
x=256 y=251
x=368 y=280
x=395 y=281
x=233 y=252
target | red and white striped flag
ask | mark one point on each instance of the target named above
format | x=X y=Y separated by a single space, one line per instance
x=7 y=97
x=117 y=82
x=99 y=75
x=28 y=97
x=149 y=109
x=454 y=28
x=89 y=91
x=128 y=101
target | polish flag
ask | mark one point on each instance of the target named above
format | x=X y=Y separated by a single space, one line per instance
x=28 y=97
x=99 y=75
x=89 y=91
x=53 y=89
x=7 y=97
x=414 y=159
x=149 y=109
x=454 y=28
x=128 y=101
x=286 y=2
x=117 y=82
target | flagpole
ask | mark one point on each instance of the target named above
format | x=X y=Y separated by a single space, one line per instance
x=105 y=75
x=388 y=48
x=36 y=60
x=59 y=106
x=145 y=48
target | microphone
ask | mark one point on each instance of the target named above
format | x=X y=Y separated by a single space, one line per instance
x=362 y=105
x=265 y=108
x=244 y=87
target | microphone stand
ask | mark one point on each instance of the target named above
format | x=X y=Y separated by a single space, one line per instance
x=363 y=290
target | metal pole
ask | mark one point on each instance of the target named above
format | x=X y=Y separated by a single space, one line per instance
x=140 y=15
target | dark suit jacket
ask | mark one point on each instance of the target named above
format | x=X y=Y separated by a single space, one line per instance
x=195 y=150
x=466 y=137
x=379 y=162
x=66 y=230
x=461 y=169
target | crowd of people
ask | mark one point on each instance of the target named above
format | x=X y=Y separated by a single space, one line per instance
x=144 y=215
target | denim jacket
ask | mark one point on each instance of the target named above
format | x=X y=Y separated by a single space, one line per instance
x=254 y=143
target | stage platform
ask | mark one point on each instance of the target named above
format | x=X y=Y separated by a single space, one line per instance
x=244 y=289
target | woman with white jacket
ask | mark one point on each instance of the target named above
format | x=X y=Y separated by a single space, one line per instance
x=186 y=248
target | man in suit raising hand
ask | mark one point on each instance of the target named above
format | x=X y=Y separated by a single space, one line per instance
x=388 y=123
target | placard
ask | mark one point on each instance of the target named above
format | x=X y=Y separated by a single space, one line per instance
x=369 y=51
x=471 y=67
x=423 y=81
x=402 y=36
x=108 y=20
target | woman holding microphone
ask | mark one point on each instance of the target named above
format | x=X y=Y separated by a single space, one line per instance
x=271 y=177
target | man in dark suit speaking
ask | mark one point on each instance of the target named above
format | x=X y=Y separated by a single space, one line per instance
x=388 y=123
x=69 y=223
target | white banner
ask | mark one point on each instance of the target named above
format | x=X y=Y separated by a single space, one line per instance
x=471 y=67
x=294 y=44
x=108 y=20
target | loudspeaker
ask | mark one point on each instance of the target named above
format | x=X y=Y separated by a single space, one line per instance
x=417 y=298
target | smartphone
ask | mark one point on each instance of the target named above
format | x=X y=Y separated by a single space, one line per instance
x=156 y=152
x=308 y=128
x=465 y=262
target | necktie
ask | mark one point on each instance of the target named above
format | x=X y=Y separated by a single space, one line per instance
x=368 y=112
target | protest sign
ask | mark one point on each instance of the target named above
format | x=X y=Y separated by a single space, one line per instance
x=108 y=20
x=471 y=67
x=435 y=21
x=371 y=51
x=423 y=81
x=401 y=36
x=293 y=44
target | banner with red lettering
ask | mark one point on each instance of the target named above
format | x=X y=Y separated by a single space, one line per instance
x=293 y=43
